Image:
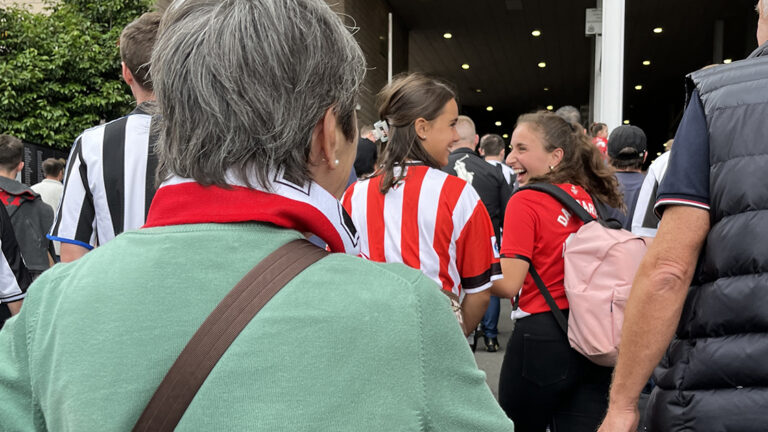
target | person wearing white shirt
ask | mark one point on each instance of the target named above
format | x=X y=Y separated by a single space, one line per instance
x=51 y=188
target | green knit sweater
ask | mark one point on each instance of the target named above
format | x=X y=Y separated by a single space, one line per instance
x=349 y=345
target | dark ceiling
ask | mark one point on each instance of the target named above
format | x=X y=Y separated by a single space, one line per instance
x=494 y=38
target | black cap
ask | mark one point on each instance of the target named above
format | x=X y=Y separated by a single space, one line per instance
x=627 y=143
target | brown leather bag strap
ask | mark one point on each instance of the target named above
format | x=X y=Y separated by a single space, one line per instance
x=220 y=329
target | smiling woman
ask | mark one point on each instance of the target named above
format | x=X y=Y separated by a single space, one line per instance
x=569 y=390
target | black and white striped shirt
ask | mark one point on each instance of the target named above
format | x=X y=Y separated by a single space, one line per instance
x=109 y=181
x=14 y=276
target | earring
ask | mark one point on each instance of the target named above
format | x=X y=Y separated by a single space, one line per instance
x=336 y=162
x=551 y=168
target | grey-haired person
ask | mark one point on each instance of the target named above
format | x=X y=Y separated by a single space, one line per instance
x=258 y=138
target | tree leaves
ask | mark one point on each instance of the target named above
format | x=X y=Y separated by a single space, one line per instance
x=60 y=72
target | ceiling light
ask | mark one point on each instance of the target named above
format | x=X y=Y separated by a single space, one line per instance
x=536 y=33
x=658 y=30
x=546 y=88
x=498 y=123
x=638 y=87
x=626 y=121
x=447 y=35
x=478 y=90
x=505 y=136
x=489 y=108
x=646 y=62
x=542 y=65
x=727 y=61
x=465 y=66
x=550 y=107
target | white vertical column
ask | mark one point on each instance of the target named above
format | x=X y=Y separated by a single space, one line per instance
x=611 y=100
x=597 y=77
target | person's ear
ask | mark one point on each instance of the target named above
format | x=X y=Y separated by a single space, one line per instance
x=20 y=166
x=556 y=157
x=127 y=75
x=421 y=125
x=324 y=141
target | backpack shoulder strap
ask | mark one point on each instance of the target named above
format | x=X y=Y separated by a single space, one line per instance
x=559 y=315
x=220 y=329
x=562 y=196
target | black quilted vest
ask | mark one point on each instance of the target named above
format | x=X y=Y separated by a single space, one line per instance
x=715 y=374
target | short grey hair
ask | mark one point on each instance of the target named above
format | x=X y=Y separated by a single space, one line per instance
x=571 y=114
x=241 y=85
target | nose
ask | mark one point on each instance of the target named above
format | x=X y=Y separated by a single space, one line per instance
x=510 y=157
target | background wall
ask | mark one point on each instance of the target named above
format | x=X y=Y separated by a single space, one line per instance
x=370 y=18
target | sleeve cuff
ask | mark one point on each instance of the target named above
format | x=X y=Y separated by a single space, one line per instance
x=13 y=298
x=478 y=289
x=482 y=281
x=516 y=256
x=69 y=241
x=684 y=201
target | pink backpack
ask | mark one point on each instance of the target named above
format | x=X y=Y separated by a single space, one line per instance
x=600 y=264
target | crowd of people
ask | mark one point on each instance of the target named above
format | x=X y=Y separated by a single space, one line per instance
x=245 y=139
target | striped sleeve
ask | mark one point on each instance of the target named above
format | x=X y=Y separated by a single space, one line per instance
x=75 y=221
x=477 y=256
x=644 y=221
x=9 y=287
x=14 y=276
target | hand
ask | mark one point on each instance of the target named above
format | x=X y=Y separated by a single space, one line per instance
x=620 y=420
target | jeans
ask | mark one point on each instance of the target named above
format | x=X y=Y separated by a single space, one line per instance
x=490 y=321
x=544 y=382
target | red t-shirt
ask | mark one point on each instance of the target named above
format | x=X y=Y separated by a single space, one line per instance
x=602 y=145
x=537 y=226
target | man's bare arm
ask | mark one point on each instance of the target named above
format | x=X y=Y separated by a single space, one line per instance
x=654 y=308
x=71 y=252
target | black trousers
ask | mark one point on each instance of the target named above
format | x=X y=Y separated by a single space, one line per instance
x=544 y=382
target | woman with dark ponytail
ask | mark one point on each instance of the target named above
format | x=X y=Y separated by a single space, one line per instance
x=543 y=381
x=409 y=211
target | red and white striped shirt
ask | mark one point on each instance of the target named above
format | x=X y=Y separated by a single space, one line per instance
x=431 y=221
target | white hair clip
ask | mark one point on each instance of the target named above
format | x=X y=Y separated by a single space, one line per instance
x=381 y=130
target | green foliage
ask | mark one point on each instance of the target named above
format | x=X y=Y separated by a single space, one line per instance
x=60 y=72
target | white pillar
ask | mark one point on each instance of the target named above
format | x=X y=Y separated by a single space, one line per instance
x=597 y=74
x=609 y=109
